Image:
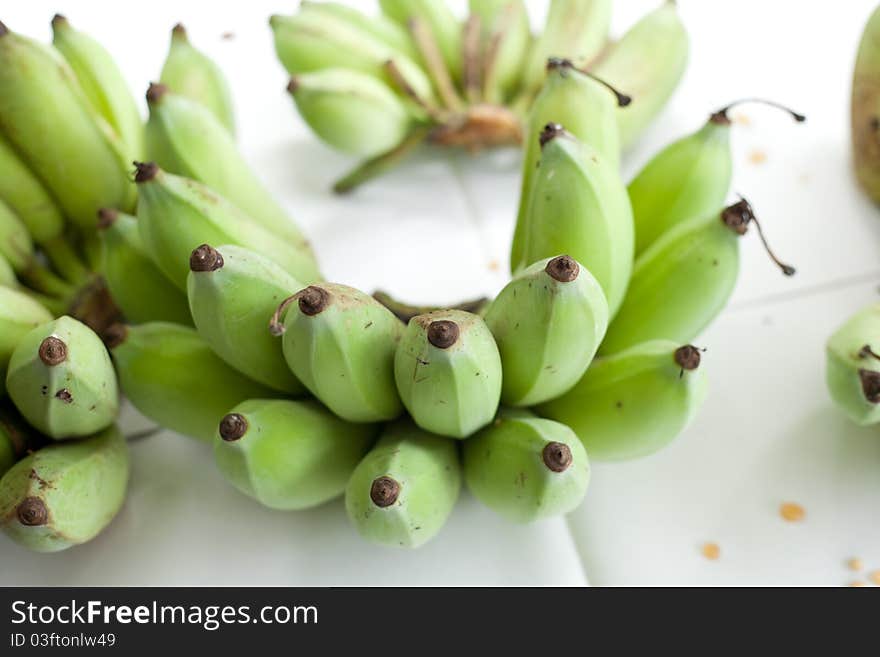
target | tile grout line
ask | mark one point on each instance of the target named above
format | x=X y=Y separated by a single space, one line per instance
x=813 y=290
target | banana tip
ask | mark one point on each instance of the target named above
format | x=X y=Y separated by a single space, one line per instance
x=145 y=171
x=870 y=385
x=443 y=333
x=563 y=269
x=292 y=85
x=384 y=491
x=178 y=31
x=205 y=258
x=106 y=218
x=53 y=351
x=313 y=300
x=233 y=427
x=688 y=357
x=115 y=334
x=155 y=92
x=3 y=29
x=59 y=20
x=550 y=132
x=557 y=456
x=32 y=512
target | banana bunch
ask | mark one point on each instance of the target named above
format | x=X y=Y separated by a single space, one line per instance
x=378 y=86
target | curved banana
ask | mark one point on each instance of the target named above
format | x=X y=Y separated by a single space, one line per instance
x=175 y=215
x=171 y=375
x=548 y=323
x=648 y=62
x=442 y=23
x=192 y=74
x=635 y=402
x=46 y=116
x=865 y=109
x=526 y=468
x=577 y=205
x=19 y=315
x=289 y=455
x=62 y=381
x=853 y=366
x=65 y=494
x=341 y=344
x=405 y=488
x=507 y=38
x=232 y=294
x=103 y=84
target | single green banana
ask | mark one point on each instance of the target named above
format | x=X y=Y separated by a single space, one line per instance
x=192 y=74
x=232 y=294
x=46 y=116
x=548 y=323
x=175 y=215
x=633 y=403
x=19 y=315
x=341 y=343
x=865 y=109
x=689 y=178
x=139 y=289
x=405 y=488
x=438 y=17
x=17 y=439
x=577 y=205
x=289 y=455
x=16 y=245
x=172 y=376
x=853 y=366
x=351 y=111
x=506 y=38
x=7 y=275
x=683 y=280
x=65 y=494
x=648 y=62
x=185 y=139
x=448 y=372
x=103 y=84
x=526 y=468
x=62 y=381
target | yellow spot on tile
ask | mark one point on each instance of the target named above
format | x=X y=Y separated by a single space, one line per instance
x=757 y=156
x=711 y=551
x=875 y=577
x=494 y=266
x=741 y=118
x=854 y=564
x=856 y=583
x=792 y=512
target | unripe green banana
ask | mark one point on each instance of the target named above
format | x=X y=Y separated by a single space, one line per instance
x=175 y=215
x=17 y=439
x=853 y=366
x=865 y=109
x=192 y=74
x=683 y=280
x=526 y=468
x=139 y=289
x=16 y=245
x=577 y=205
x=65 y=494
x=635 y=402
x=351 y=111
x=19 y=315
x=689 y=178
x=185 y=139
x=648 y=62
x=171 y=375
x=548 y=323
x=448 y=372
x=507 y=38
x=232 y=294
x=405 y=488
x=289 y=455
x=62 y=381
x=7 y=274
x=341 y=343
x=103 y=84
x=443 y=25
x=46 y=116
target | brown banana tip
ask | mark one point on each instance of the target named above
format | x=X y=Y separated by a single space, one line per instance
x=550 y=132
x=53 y=351
x=145 y=171
x=3 y=29
x=688 y=357
x=384 y=491
x=313 y=300
x=155 y=92
x=59 y=19
x=106 y=218
x=115 y=334
x=205 y=258
x=563 y=269
x=556 y=456
x=178 y=31
x=233 y=427
x=443 y=333
x=32 y=512
x=293 y=85
x=870 y=380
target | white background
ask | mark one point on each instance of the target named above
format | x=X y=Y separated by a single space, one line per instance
x=438 y=230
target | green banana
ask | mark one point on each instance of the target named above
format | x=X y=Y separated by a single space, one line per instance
x=405 y=488
x=17 y=439
x=351 y=111
x=865 y=109
x=48 y=119
x=192 y=74
x=232 y=294
x=289 y=455
x=175 y=215
x=103 y=84
x=65 y=494
x=526 y=468
x=448 y=372
x=635 y=402
x=689 y=178
x=341 y=343
x=16 y=245
x=172 y=376
x=19 y=315
x=185 y=138
x=648 y=62
x=442 y=23
x=7 y=275
x=139 y=289
x=683 y=280
x=853 y=366
x=507 y=38
x=548 y=323
x=62 y=381
x=577 y=205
